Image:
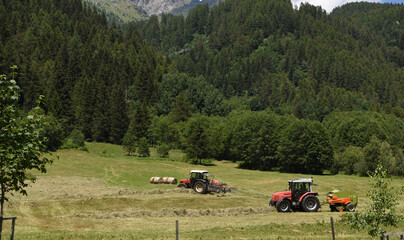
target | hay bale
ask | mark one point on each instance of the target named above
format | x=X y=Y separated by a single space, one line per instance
x=156 y=180
x=169 y=180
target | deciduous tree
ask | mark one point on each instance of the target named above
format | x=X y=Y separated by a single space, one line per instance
x=382 y=209
x=21 y=143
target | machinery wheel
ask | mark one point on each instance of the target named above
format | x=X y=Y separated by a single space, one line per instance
x=200 y=187
x=182 y=185
x=283 y=206
x=350 y=207
x=310 y=203
x=333 y=208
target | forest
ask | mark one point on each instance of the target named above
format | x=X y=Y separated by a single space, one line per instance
x=256 y=82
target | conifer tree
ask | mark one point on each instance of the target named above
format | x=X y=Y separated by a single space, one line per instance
x=138 y=128
x=143 y=147
x=182 y=108
x=118 y=117
x=198 y=143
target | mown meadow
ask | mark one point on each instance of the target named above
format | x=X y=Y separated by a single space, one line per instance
x=105 y=194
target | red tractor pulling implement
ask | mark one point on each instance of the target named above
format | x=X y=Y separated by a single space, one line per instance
x=299 y=196
x=202 y=182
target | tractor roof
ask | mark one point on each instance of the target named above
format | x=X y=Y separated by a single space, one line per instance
x=302 y=180
x=199 y=171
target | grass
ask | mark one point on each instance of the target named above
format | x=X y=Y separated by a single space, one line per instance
x=105 y=194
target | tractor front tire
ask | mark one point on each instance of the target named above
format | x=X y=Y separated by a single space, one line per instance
x=310 y=203
x=200 y=187
x=283 y=206
x=182 y=185
x=350 y=207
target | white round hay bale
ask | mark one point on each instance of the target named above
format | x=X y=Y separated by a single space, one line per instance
x=170 y=180
x=156 y=180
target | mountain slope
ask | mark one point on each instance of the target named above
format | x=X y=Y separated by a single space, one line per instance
x=120 y=11
x=385 y=19
x=293 y=61
x=132 y=10
x=66 y=51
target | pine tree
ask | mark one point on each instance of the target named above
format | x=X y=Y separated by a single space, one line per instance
x=143 y=147
x=182 y=108
x=138 y=127
x=118 y=118
x=198 y=144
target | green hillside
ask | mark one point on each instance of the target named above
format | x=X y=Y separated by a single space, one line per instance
x=105 y=194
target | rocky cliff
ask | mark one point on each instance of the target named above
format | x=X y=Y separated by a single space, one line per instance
x=160 y=6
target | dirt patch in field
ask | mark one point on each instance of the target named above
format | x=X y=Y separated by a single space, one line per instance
x=59 y=188
x=177 y=212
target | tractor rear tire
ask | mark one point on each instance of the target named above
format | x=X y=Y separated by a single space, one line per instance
x=182 y=185
x=310 y=203
x=200 y=187
x=350 y=207
x=283 y=206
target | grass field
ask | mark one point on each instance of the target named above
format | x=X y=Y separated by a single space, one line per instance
x=104 y=194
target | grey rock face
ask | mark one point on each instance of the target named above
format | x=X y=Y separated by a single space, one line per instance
x=160 y=6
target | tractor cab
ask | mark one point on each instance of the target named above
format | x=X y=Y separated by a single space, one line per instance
x=198 y=175
x=299 y=187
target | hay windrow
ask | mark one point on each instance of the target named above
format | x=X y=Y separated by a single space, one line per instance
x=124 y=192
x=177 y=212
x=62 y=188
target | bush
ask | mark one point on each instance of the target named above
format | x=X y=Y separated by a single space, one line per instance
x=75 y=140
x=163 y=150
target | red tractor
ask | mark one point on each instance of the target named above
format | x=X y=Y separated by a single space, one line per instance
x=202 y=182
x=299 y=196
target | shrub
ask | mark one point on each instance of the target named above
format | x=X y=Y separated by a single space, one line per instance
x=75 y=140
x=163 y=150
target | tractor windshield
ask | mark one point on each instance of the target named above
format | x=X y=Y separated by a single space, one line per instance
x=299 y=186
x=199 y=175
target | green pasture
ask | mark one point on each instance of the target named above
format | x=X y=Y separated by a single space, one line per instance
x=105 y=194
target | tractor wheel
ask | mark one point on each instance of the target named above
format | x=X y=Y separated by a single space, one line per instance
x=182 y=185
x=283 y=206
x=350 y=207
x=333 y=208
x=310 y=203
x=200 y=187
